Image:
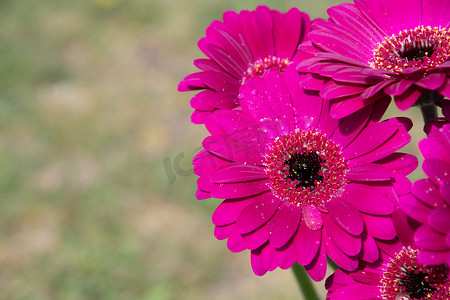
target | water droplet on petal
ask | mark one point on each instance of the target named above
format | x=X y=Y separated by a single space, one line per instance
x=312 y=216
x=240 y=96
x=254 y=92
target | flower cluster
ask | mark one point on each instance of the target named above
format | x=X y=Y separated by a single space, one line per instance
x=308 y=167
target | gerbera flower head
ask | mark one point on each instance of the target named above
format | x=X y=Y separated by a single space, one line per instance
x=398 y=275
x=244 y=45
x=377 y=48
x=429 y=201
x=299 y=185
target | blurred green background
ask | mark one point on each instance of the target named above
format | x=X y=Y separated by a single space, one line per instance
x=91 y=125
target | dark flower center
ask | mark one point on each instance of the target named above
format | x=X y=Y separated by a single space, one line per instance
x=304 y=168
x=417 y=284
x=422 y=47
x=405 y=278
x=417 y=54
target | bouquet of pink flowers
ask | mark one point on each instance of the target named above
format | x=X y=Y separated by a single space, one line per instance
x=309 y=170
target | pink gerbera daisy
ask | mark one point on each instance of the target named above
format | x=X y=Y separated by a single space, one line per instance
x=242 y=46
x=430 y=199
x=398 y=275
x=300 y=185
x=375 y=48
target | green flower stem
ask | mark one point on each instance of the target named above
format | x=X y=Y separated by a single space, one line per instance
x=427 y=103
x=304 y=282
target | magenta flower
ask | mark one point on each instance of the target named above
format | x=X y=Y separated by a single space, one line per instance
x=300 y=185
x=242 y=46
x=430 y=198
x=375 y=48
x=398 y=275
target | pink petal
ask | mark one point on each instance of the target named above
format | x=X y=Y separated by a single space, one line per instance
x=408 y=98
x=228 y=211
x=343 y=107
x=201 y=100
x=400 y=163
x=434 y=148
x=374 y=89
x=334 y=90
x=318 y=267
x=236 y=242
x=269 y=258
x=239 y=189
x=346 y=262
x=435 y=13
x=285 y=223
x=338 y=279
x=307 y=106
x=224 y=59
x=371 y=138
x=368 y=199
x=223 y=232
x=346 y=216
x=368 y=276
x=258 y=212
x=445 y=192
x=369 y=172
x=223 y=100
x=257 y=26
x=356 y=291
x=312 y=82
x=399 y=87
x=355 y=76
x=380 y=227
x=429 y=239
x=287 y=256
x=347 y=243
x=427 y=192
x=414 y=208
x=405 y=227
x=432 y=81
x=351 y=126
x=200 y=117
x=390 y=15
x=227 y=148
x=237 y=173
x=258 y=237
x=438 y=170
x=445 y=89
x=336 y=41
x=307 y=243
x=192 y=82
x=396 y=142
x=201 y=195
x=369 y=251
x=291 y=31
x=432 y=257
x=267 y=102
x=439 y=220
x=256 y=259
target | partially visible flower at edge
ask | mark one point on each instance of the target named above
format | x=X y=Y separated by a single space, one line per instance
x=398 y=275
x=375 y=48
x=300 y=185
x=429 y=200
x=242 y=46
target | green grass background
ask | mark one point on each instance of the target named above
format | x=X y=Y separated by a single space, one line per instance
x=89 y=113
